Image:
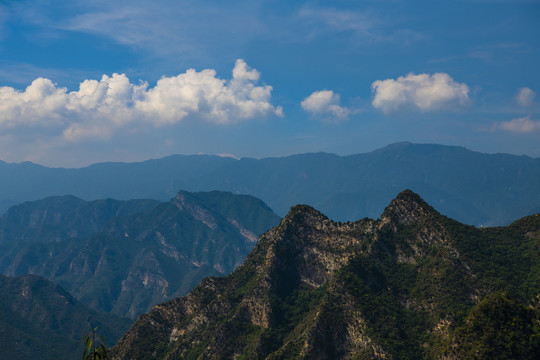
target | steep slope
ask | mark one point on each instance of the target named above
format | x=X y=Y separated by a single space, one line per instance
x=396 y=287
x=40 y=320
x=143 y=258
x=499 y=327
x=472 y=187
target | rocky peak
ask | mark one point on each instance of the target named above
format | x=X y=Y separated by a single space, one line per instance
x=407 y=208
x=315 y=289
x=305 y=215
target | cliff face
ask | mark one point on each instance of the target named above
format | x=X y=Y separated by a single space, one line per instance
x=316 y=289
x=126 y=256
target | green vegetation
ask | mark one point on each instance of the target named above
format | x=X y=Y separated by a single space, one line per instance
x=499 y=327
x=399 y=330
x=94 y=347
x=289 y=312
x=40 y=320
x=414 y=285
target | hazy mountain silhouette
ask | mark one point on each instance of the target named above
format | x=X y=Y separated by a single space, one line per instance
x=475 y=188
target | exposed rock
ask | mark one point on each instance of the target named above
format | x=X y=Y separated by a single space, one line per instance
x=312 y=288
x=407 y=208
x=132 y=254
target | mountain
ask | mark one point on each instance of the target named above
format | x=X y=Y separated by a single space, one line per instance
x=472 y=187
x=152 y=179
x=40 y=320
x=413 y=284
x=60 y=218
x=126 y=256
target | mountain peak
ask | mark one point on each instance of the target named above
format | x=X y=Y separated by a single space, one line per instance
x=304 y=214
x=407 y=208
x=315 y=289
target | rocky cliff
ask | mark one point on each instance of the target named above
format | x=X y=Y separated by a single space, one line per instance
x=401 y=287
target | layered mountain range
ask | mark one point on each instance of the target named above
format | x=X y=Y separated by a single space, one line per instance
x=472 y=187
x=413 y=284
x=126 y=256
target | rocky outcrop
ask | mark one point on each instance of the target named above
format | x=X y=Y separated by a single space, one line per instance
x=407 y=208
x=312 y=288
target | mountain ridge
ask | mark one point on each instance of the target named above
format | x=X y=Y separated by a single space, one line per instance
x=125 y=256
x=403 y=286
x=460 y=182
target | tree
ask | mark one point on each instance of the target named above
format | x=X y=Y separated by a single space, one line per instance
x=94 y=347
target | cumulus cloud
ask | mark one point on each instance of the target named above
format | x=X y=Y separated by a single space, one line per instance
x=325 y=104
x=98 y=108
x=423 y=91
x=525 y=96
x=520 y=125
x=40 y=98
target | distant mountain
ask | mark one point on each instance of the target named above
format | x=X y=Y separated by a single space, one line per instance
x=56 y=219
x=125 y=256
x=472 y=187
x=152 y=179
x=412 y=285
x=40 y=320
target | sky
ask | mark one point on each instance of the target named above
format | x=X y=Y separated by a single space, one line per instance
x=92 y=81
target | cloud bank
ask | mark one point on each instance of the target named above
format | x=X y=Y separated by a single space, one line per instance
x=325 y=104
x=423 y=91
x=101 y=107
x=520 y=125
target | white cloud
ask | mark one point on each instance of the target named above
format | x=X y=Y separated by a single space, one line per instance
x=325 y=104
x=101 y=107
x=40 y=99
x=227 y=155
x=423 y=91
x=520 y=125
x=525 y=96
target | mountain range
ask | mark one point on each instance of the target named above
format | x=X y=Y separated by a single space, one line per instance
x=472 y=187
x=40 y=320
x=126 y=256
x=413 y=284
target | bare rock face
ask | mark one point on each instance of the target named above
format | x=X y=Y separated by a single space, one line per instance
x=407 y=208
x=312 y=288
x=126 y=256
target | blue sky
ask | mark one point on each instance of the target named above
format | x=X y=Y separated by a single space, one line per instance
x=91 y=81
